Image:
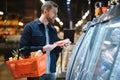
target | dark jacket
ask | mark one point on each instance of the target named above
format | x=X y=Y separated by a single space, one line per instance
x=33 y=38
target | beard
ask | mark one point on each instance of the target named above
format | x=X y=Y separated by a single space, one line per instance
x=51 y=19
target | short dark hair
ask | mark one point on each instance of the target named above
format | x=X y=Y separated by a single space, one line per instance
x=48 y=5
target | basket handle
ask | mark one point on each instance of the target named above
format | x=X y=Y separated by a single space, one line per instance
x=20 y=50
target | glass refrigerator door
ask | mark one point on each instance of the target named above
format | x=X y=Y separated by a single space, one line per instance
x=73 y=56
x=82 y=51
x=108 y=65
x=95 y=52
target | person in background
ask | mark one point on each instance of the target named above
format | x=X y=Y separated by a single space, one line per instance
x=41 y=35
x=100 y=9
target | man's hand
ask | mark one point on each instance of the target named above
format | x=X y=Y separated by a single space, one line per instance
x=49 y=47
x=63 y=43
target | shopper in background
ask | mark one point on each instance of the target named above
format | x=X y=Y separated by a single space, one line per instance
x=100 y=9
x=41 y=35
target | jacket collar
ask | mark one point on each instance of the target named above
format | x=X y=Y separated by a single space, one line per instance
x=39 y=23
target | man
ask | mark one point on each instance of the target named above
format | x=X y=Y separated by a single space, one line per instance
x=41 y=35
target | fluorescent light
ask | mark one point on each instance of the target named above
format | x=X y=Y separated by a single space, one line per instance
x=20 y=23
x=68 y=0
x=1 y=13
x=61 y=23
x=76 y=25
x=85 y=15
x=80 y=22
x=57 y=19
x=43 y=1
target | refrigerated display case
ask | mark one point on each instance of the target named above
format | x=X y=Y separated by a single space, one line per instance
x=96 y=54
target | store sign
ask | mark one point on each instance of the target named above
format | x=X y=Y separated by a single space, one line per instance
x=9 y=23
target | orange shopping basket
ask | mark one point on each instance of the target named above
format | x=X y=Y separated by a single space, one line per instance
x=31 y=67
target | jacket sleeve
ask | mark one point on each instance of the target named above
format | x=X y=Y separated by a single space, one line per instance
x=57 y=49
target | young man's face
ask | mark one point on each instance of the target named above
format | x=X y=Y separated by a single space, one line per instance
x=52 y=14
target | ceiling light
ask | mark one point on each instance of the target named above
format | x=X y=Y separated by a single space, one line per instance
x=43 y=1
x=20 y=23
x=57 y=19
x=1 y=13
x=61 y=23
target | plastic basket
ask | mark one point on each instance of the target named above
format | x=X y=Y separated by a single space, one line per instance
x=31 y=67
